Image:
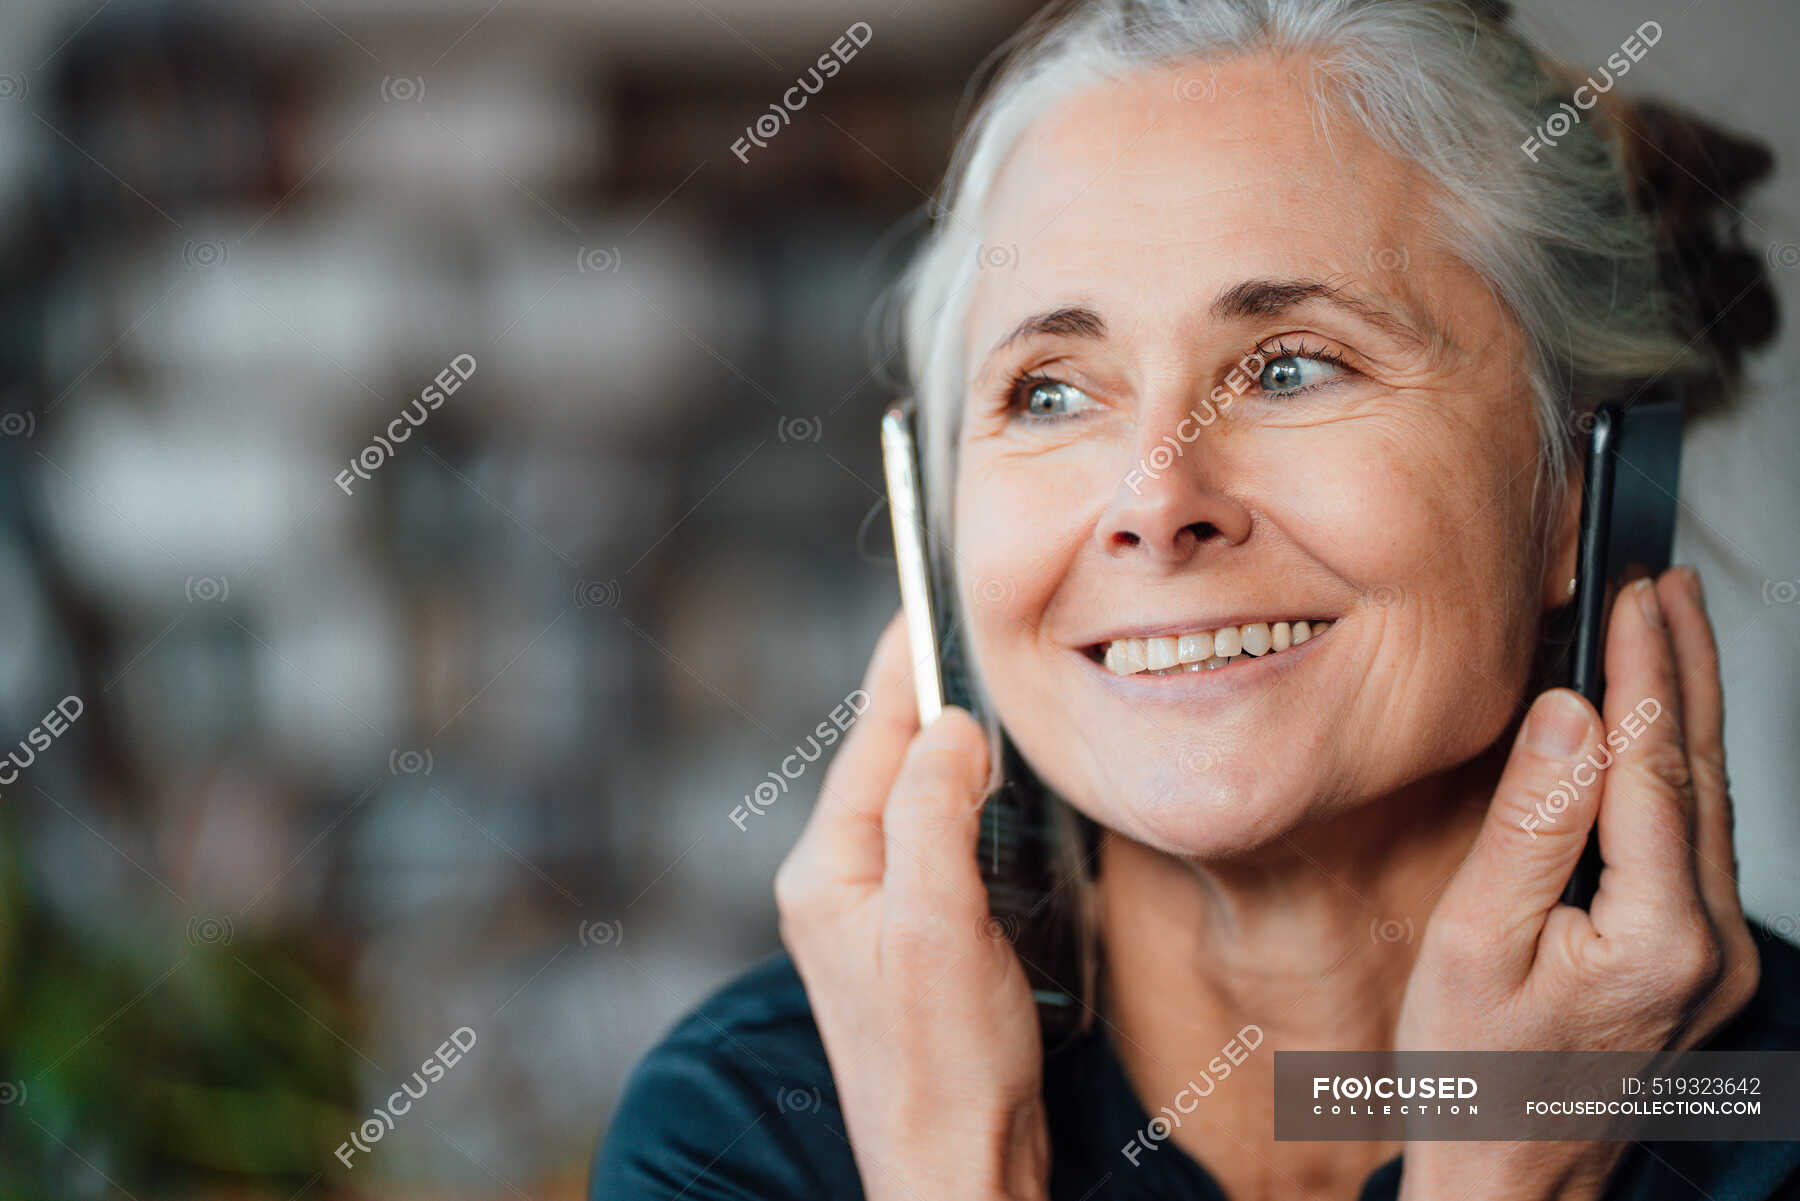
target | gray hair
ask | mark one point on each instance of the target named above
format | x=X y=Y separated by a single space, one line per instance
x=1455 y=91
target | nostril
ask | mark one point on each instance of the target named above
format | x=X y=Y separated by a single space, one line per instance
x=1199 y=531
x=1126 y=538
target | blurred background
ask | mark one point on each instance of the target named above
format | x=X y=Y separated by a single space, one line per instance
x=334 y=745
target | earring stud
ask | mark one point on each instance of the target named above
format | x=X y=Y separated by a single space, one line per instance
x=1572 y=586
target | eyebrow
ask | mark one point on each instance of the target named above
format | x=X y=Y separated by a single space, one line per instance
x=1271 y=297
x=1251 y=298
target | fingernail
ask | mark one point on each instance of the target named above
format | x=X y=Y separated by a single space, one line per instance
x=1646 y=590
x=1558 y=724
x=1692 y=579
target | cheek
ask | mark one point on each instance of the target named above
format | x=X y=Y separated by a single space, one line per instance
x=1013 y=548
x=1412 y=511
x=1430 y=524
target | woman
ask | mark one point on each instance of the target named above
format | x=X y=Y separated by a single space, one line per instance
x=1291 y=670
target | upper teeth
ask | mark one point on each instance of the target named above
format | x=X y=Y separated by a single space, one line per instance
x=1206 y=649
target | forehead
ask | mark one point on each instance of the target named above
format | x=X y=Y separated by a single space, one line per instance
x=1177 y=181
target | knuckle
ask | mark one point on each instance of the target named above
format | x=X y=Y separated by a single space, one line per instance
x=1691 y=958
x=1707 y=763
x=920 y=803
x=933 y=791
x=1668 y=765
x=796 y=889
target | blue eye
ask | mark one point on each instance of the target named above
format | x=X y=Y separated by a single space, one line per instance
x=1047 y=399
x=1293 y=373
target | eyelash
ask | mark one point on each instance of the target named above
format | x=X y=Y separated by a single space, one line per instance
x=1022 y=382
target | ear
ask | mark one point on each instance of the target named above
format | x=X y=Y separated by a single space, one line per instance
x=1565 y=539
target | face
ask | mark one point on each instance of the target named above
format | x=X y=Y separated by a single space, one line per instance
x=1220 y=378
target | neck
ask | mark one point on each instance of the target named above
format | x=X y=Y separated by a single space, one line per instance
x=1311 y=941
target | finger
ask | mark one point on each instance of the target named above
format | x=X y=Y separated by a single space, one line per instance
x=932 y=820
x=1646 y=823
x=843 y=836
x=1533 y=835
x=1703 y=722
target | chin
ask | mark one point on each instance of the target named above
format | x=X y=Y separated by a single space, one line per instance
x=1211 y=811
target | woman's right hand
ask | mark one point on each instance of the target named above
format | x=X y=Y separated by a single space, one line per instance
x=923 y=1008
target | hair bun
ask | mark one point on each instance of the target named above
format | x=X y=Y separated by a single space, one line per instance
x=1688 y=175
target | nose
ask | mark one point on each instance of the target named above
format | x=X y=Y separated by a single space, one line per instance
x=1169 y=506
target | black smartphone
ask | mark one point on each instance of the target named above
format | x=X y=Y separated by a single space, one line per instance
x=1025 y=850
x=1628 y=495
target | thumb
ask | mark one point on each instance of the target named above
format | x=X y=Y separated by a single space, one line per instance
x=1536 y=827
x=932 y=822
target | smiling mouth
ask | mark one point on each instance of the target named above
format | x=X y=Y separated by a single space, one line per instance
x=1203 y=650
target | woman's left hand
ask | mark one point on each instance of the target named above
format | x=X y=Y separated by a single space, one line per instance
x=1661 y=959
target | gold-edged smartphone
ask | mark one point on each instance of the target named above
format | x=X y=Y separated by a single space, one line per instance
x=1023 y=839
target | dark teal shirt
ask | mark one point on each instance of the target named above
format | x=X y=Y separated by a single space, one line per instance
x=737 y=1103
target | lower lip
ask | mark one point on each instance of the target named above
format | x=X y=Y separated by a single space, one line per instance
x=1241 y=675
